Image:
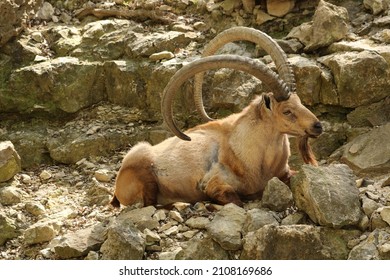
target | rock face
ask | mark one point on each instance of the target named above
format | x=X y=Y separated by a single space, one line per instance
x=12 y=15
x=363 y=154
x=357 y=92
x=296 y=243
x=10 y=162
x=328 y=195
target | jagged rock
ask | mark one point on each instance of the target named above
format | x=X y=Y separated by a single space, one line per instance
x=124 y=242
x=8 y=229
x=299 y=242
x=144 y=46
x=369 y=152
x=279 y=8
x=257 y=218
x=198 y=222
x=374 y=247
x=79 y=243
x=35 y=208
x=202 y=249
x=10 y=162
x=40 y=232
x=142 y=217
x=376 y=6
x=277 y=195
x=357 y=92
x=64 y=84
x=373 y=115
x=13 y=14
x=226 y=227
x=11 y=195
x=294 y=219
x=328 y=195
x=330 y=24
x=369 y=206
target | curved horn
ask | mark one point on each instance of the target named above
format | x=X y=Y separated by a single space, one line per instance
x=245 y=34
x=246 y=64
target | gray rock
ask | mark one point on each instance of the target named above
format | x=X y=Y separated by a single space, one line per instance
x=376 y=6
x=202 y=249
x=79 y=243
x=8 y=229
x=52 y=94
x=370 y=152
x=10 y=162
x=13 y=14
x=357 y=92
x=328 y=195
x=374 y=247
x=226 y=227
x=330 y=24
x=198 y=222
x=294 y=219
x=40 y=232
x=124 y=242
x=11 y=195
x=277 y=195
x=299 y=242
x=371 y=115
x=146 y=45
x=369 y=206
x=142 y=217
x=257 y=218
x=35 y=208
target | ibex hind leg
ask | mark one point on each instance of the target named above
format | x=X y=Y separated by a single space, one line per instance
x=221 y=192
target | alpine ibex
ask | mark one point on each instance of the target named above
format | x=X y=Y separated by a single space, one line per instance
x=226 y=160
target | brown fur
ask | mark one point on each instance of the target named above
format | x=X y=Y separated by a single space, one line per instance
x=227 y=160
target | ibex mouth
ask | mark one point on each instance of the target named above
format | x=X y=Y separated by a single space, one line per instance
x=315 y=131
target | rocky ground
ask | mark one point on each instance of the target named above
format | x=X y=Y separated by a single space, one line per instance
x=56 y=206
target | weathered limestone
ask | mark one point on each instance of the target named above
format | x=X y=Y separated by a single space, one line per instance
x=297 y=242
x=330 y=24
x=10 y=162
x=369 y=152
x=328 y=195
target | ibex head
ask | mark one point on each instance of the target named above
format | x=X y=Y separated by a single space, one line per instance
x=290 y=116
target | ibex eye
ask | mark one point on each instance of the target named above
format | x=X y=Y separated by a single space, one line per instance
x=287 y=112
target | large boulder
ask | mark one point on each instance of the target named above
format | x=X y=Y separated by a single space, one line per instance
x=10 y=162
x=329 y=25
x=329 y=195
x=354 y=92
x=64 y=84
x=297 y=242
x=370 y=152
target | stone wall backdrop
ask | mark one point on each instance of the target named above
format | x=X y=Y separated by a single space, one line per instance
x=81 y=82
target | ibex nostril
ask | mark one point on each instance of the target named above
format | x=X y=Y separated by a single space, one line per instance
x=318 y=127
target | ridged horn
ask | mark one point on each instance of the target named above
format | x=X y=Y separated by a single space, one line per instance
x=258 y=37
x=246 y=64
